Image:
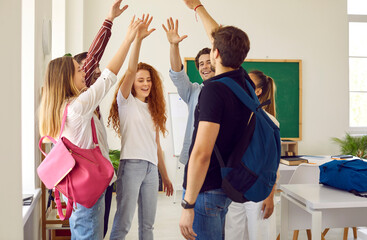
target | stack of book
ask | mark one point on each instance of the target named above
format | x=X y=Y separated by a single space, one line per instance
x=292 y=160
x=27 y=199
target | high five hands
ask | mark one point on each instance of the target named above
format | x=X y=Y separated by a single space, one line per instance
x=172 y=32
x=115 y=10
x=143 y=31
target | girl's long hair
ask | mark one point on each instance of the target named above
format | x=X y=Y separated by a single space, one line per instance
x=155 y=100
x=58 y=87
x=267 y=85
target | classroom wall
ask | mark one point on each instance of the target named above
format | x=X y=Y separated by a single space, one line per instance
x=10 y=127
x=314 y=31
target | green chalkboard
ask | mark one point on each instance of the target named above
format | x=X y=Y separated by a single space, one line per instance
x=287 y=75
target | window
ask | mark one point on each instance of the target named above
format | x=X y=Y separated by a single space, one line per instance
x=357 y=15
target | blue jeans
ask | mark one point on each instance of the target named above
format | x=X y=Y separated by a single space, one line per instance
x=137 y=181
x=210 y=211
x=87 y=223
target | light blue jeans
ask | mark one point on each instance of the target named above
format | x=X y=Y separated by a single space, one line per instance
x=137 y=182
x=210 y=209
x=87 y=223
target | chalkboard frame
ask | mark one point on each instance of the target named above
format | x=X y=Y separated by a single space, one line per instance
x=190 y=62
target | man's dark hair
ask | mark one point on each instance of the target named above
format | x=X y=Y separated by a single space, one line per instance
x=233 y=45
x=80 y=57
x=201 y=52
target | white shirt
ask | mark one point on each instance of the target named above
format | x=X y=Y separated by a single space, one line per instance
x=138 y=133
x=78 y=128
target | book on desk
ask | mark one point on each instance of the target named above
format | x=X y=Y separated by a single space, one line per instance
x=292 y=160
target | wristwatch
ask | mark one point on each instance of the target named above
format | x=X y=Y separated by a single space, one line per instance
x=187 y=205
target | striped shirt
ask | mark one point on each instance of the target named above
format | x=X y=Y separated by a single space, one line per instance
x=96 y=51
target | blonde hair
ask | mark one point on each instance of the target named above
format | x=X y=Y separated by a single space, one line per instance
x=58 y=88
x=267 y=85
x=155 y=100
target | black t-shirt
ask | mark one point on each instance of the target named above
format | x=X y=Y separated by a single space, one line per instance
x=218 y=104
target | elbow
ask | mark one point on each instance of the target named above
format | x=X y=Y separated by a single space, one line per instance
x=201 y=157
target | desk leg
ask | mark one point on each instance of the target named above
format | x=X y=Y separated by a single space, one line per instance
x=316 y=225
x=284 y=225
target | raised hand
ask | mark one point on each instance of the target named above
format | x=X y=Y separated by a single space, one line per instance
x=115 y=10
x=172 y=32
x=143 y=31
x=192 y=3
x=133 y=29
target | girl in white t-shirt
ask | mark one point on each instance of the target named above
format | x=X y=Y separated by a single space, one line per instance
x=138 y=115
x=251 y=220
x=65 y=84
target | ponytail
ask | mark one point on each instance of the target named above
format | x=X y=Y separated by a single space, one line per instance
x=267 y=85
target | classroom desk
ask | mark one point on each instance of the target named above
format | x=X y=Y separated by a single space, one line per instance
x=316 y=207
x=286 y=171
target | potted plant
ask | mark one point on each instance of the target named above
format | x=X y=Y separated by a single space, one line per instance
x=353 y=145
x=115 y=159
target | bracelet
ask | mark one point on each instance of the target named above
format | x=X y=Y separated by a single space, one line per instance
x=200 y=5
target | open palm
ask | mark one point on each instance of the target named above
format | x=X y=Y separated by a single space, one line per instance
x=172 y=32
x=143 y=31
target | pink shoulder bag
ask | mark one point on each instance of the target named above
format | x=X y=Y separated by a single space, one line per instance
x=82 y=175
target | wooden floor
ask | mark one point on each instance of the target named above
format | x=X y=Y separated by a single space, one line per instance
x=168 y=216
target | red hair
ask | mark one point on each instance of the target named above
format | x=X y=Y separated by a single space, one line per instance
x=155 y=100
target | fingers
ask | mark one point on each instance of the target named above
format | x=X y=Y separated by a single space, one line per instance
x=183 y=37
x=164 y=28
x=124 y=8
x=169 y=24
x=268 y=212
x=132 y=20
x=187 y=232
x=263 y=206
x=150 y=31
x=172 y=26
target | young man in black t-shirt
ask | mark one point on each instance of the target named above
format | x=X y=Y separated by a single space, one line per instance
x=220 y=118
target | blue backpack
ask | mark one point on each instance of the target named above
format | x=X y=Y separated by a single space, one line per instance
x=251 y=170
x=349 y=175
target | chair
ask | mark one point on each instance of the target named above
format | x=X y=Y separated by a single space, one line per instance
x=305 y=174
x=310 y=174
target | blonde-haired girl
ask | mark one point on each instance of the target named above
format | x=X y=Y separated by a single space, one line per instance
x=65 y=85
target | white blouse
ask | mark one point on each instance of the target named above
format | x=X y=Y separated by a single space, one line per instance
x=78 y=127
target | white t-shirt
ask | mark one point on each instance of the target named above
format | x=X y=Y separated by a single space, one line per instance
x=138 y=133
x=78 y=128
x=272 y=118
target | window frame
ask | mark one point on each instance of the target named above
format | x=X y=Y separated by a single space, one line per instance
x=361 y=19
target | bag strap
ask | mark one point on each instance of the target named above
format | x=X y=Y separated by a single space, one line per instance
x=40 y=143
x=69 y=205
x=63 y=119
x=219 y=156
x=94 y=133
x=251 y=102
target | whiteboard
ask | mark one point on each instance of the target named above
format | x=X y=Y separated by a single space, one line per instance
x=178 y=114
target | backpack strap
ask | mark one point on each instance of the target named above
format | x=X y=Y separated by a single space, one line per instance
x=94 y=133
x=251 y=102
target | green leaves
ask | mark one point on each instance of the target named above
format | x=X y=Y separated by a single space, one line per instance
x=115 y=159
x=353 y=145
